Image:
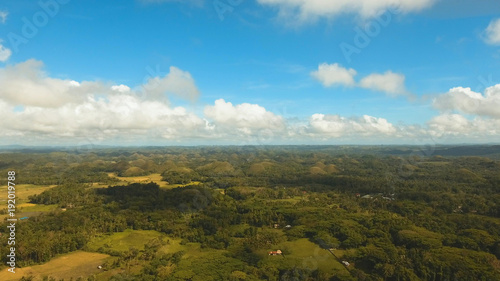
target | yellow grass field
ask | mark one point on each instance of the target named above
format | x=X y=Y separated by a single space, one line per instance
x=145 y=179
x=72 y=265
x=23 y=191
x=141 y=179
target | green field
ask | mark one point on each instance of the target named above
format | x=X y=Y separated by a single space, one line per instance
x=305 y=254
x=122 y=241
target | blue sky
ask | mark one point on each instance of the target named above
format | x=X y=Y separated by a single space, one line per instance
x=278 y=69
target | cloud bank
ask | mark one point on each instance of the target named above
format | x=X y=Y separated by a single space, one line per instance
x=37 y=108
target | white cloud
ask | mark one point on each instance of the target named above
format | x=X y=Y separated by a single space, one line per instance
x=337 y=126
x=177 y=82
x=245 y=118
x=492 y=32
x=5 y=53
x=26 y=84
x=310 y=10
x=57 y=110
x=123 y=116
x=469 y=102
x=121 y=88
x=455 y=125
x=334 y=74
x=391 y=83
x=3 y=16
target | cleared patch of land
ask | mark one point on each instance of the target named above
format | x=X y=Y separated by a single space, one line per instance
x=24 y=209
x=306 y=255
x=123 y=241
x=156 y=178
x=72 y=265
x=23 y=191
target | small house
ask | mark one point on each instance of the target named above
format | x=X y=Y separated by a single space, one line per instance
x=275 y=253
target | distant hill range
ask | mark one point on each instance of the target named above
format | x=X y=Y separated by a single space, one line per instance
x=492 y=150
x=443 y=150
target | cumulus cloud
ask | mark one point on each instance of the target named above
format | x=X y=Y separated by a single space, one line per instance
x=393 y=84
x=52 y=107
x=5 y=53
x=121 y=88
x=334 y=74
x=469 y=102
x=3 y=16
x=243 y=118
x=27 y=84
x=492 y=32
x=337 y=126
x=455 y=125
x=310 y=10
x=121 y=115
x=177 y=82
